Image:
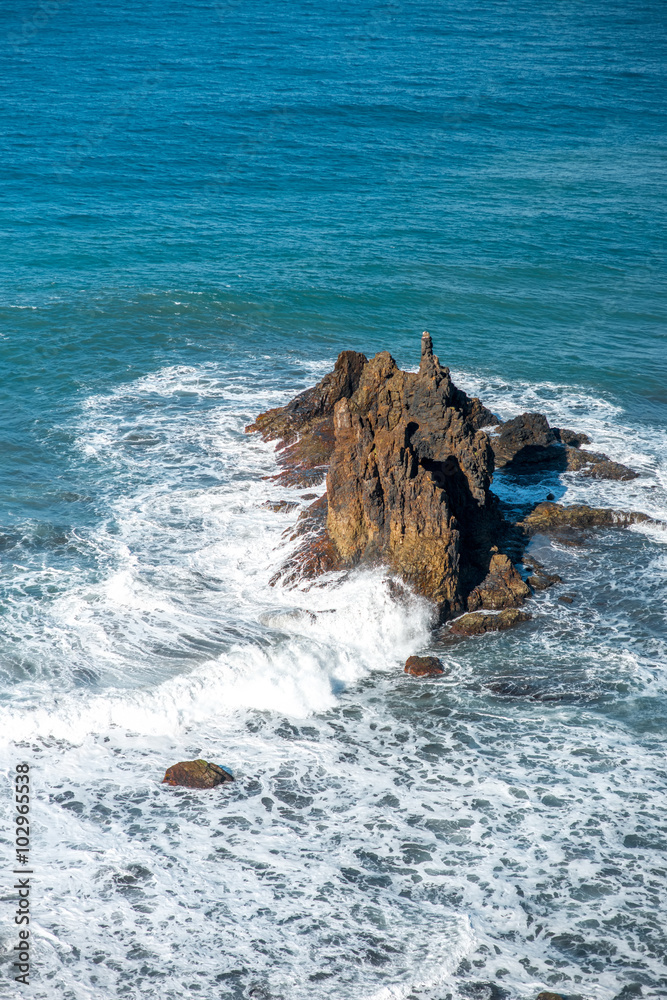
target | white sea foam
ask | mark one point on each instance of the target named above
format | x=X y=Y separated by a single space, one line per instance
x=385 y=837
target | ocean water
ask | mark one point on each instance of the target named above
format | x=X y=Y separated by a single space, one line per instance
x=203 y=203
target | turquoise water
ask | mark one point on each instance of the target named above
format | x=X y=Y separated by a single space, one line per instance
x=203 y=203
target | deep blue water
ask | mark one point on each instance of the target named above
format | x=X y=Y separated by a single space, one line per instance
x=202 y=204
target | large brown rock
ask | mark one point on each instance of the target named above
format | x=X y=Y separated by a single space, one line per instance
x=408 y=468
x=408 y=483
x=479 y=623
x=408 y=475
x=196 y=774
x=501 y=588
x=424 y=666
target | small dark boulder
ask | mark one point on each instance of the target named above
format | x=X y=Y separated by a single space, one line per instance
x=479 y=623
x=196 y=774
x=566 y=599
x=424 y=666
x=547 y=995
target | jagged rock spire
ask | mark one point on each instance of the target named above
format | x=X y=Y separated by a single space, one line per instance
x=427 y=345
x=429 y=364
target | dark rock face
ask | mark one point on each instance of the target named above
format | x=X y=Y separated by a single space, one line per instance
x=196 y=774
x=527 y=443
x=284 y=423
x=525 y=440
x=574 y=439
x=408 y=483
x=479 y=623
x=304 y=428
x=424 y=666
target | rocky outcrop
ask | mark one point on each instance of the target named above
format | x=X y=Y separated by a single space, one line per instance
x=196 y=774
x=551 y=516
x=524 y=441
x=408 y=475
x=501 y=588
x=408 y=459
x=479 y=623
x=304 y=427
x=574 y=439
x=424 y=666
x=527 y=443
x=408 y=483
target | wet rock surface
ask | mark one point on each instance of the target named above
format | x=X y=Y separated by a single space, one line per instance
x=479 y=623
x=501 y=588
x=408 y=471
x=547 y=517
x=542 y=581
x=196 y=774
x=527 y=443
x=424 y=666
x=525 y=440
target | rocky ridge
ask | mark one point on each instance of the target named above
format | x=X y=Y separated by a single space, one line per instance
x=409 y=459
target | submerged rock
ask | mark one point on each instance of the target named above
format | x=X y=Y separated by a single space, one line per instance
x=547 y=995
x=196 y=774
x=424 y=666
x=479 y=623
